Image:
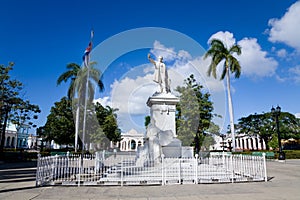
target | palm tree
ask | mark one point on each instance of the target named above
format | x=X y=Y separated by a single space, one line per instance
x=218 y=52
x=78 y=77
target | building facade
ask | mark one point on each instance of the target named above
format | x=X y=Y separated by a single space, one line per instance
x=131 y=140
x=10 y=136
x=243 y=142
x=16 y=137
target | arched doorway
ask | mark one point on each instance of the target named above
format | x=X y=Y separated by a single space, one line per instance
x=13 y=142
x=8 y=141
x=133 y=145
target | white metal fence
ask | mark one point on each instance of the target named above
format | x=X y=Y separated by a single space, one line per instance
x=123 y=170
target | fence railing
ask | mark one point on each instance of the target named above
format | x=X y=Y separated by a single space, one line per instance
x=123 y=170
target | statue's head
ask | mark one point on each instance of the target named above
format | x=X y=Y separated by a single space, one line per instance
x=160 y=58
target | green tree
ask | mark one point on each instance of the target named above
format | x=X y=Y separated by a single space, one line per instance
x=147 y=121
x=264 y=125
x=13 y=107
x=107 y=119
x=9 y=91
x=194 y=113
x=60 y=125
x=23 y=115
x=219 y=52
x=289 y=126
x=257 y=124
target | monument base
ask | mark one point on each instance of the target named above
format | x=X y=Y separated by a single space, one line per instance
x=173 y=149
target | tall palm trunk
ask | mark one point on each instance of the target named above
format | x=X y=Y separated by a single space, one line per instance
x=230 y=109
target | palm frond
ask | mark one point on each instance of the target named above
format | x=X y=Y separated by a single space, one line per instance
x=235 y=49
x=78 y=77
x=235 y=67
x=224 y=71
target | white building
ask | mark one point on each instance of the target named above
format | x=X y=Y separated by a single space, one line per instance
x=243 y=142
x=249 y=142
x=16 y=138
x=131 y=140
x=10 y=136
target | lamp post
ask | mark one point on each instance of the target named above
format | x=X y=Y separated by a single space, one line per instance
x=276 y=113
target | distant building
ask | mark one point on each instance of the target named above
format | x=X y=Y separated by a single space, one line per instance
x=249 y=142
x=16 y=138
x=10 y=136
x=32 y=141
x=243 y=142
x=22 y=136
x=131 y=140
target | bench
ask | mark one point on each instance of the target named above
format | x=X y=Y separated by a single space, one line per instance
x=269 y=154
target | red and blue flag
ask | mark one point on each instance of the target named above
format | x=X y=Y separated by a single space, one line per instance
x=86 y=55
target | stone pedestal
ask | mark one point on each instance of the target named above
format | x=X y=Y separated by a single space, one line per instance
x=162 y=111
x=162 y=128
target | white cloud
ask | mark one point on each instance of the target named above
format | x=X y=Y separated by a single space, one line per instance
x=182 y=54
x=295 y=73
x=105 y=101
x=160 y=50
x=254 y=60
x=226 y=37
x=297 y=115
x=286 y=29
x=282 y=53
x=129 y=94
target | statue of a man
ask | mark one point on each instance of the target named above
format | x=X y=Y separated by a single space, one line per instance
x=160 y=74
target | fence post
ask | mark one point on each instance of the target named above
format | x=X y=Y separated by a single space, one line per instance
x=162 y=170
x=265 y=166
x=232 y=169
x=122 y=172
x=53 y=162
x=196 y=169
x=79 y=174
x=179 y=170
x=97 y=167
x=38 y=170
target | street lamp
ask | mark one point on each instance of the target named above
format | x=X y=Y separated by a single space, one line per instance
x=276 y=113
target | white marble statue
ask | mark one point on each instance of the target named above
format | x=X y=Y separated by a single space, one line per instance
x=160 y=74
x=152 y=135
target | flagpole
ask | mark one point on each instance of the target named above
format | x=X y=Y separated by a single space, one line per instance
x=77 y=125
x=86 y=96
x=78 y=107
x=85 y=101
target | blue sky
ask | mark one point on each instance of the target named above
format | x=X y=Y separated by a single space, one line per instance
x=41 y=37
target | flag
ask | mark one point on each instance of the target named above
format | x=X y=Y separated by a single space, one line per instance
x=86 y=55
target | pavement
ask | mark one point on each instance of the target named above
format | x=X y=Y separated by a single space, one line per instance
x=17 y=181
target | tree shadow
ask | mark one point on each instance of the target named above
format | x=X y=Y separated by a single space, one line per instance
x=17 y=176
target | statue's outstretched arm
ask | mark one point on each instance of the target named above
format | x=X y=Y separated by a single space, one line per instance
x=150 y=59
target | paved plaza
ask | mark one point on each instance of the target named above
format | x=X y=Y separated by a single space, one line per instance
x=17 y=181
